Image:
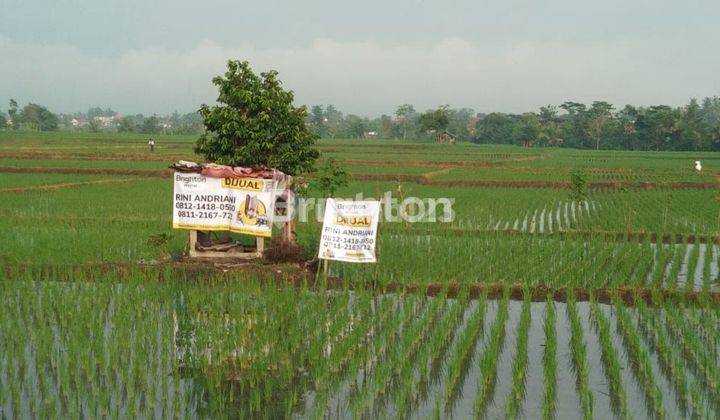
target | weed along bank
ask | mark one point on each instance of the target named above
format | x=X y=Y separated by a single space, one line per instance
x=212 y=201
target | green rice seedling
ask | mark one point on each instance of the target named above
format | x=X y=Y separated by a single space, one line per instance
x=639 y=360
x=692 y=266
x=78 y=347
x=429 y=356
x=611 y=365
x=706 y=328
x=406 y=385
x=706 y=269
x=664 y=255
x=550 y=361
x=351 y=352
x=521 y=359
x=459 y=359
x=671 y=363
x=579 y=353
x=676 y=264
x=489 y=359
x=398 y=359
x=374 y=367
x=430 y=373
x=697 y=356
x=642 y=268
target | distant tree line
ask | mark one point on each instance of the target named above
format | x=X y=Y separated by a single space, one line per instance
x=405 y=123
x=31 y=117
x=96 y=119
x=695 y=126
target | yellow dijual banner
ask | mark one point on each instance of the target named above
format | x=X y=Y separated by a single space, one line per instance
x=243 y=205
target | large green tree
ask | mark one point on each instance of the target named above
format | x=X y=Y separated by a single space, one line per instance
x=527 y=130
x=694 y=132
x=494 y=128
x=13 y=113
x=599 y=120
x=658 y=126
x=37 y=117
x=318 y=120
x=150 y=125
x=126 y=125
x=575 y=124
x=333 y=121
x=436 y=120
x=405 y=115
x=355 y=126
x=550 y=130
x=256 y=124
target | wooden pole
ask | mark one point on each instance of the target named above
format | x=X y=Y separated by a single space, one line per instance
x=377 y=244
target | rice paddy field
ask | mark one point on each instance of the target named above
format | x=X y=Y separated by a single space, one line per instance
x=526 y=304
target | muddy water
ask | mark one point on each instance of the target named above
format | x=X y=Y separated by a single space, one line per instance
x=534 y=385
x=636 y=400
x=164 y=390
x=706 y=252
x=567 y=403
x=428 y=407
x=496 y=407
x=568 y=400
x=597 y=381
x=672 y=409
x=464 y=403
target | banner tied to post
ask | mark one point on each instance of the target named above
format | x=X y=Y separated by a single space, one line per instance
x=242 y=205
x=349 y=231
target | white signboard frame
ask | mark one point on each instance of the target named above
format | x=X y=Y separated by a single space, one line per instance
x=349 y=231
x=242 y=205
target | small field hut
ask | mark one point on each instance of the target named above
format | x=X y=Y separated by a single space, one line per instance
x=446 y=137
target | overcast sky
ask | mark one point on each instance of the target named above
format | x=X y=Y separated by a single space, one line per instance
x=363 y=56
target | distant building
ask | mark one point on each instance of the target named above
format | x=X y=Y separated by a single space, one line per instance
x=105 y=121
x=472 y=122
x=78 y=122
x=370 y=134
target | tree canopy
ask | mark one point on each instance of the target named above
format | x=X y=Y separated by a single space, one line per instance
x=38 y=117
x=598 y=125
x=435 y=120
x=256 y=124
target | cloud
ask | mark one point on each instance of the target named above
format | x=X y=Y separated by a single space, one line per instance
x=367 y=78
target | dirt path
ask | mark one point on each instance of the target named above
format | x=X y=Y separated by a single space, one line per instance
x=421 y=179
x=149 y=173
x=297 y=276
x=487 y=155
x=168 y=157
x=416 y=179
x=420 y=163
x=617 y=236
x=53 y=187
x=432 y=174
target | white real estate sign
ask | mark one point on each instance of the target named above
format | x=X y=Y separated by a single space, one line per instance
x=349 y=231
x=243 y=205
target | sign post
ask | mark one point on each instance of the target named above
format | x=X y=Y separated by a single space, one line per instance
x=349 y=231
